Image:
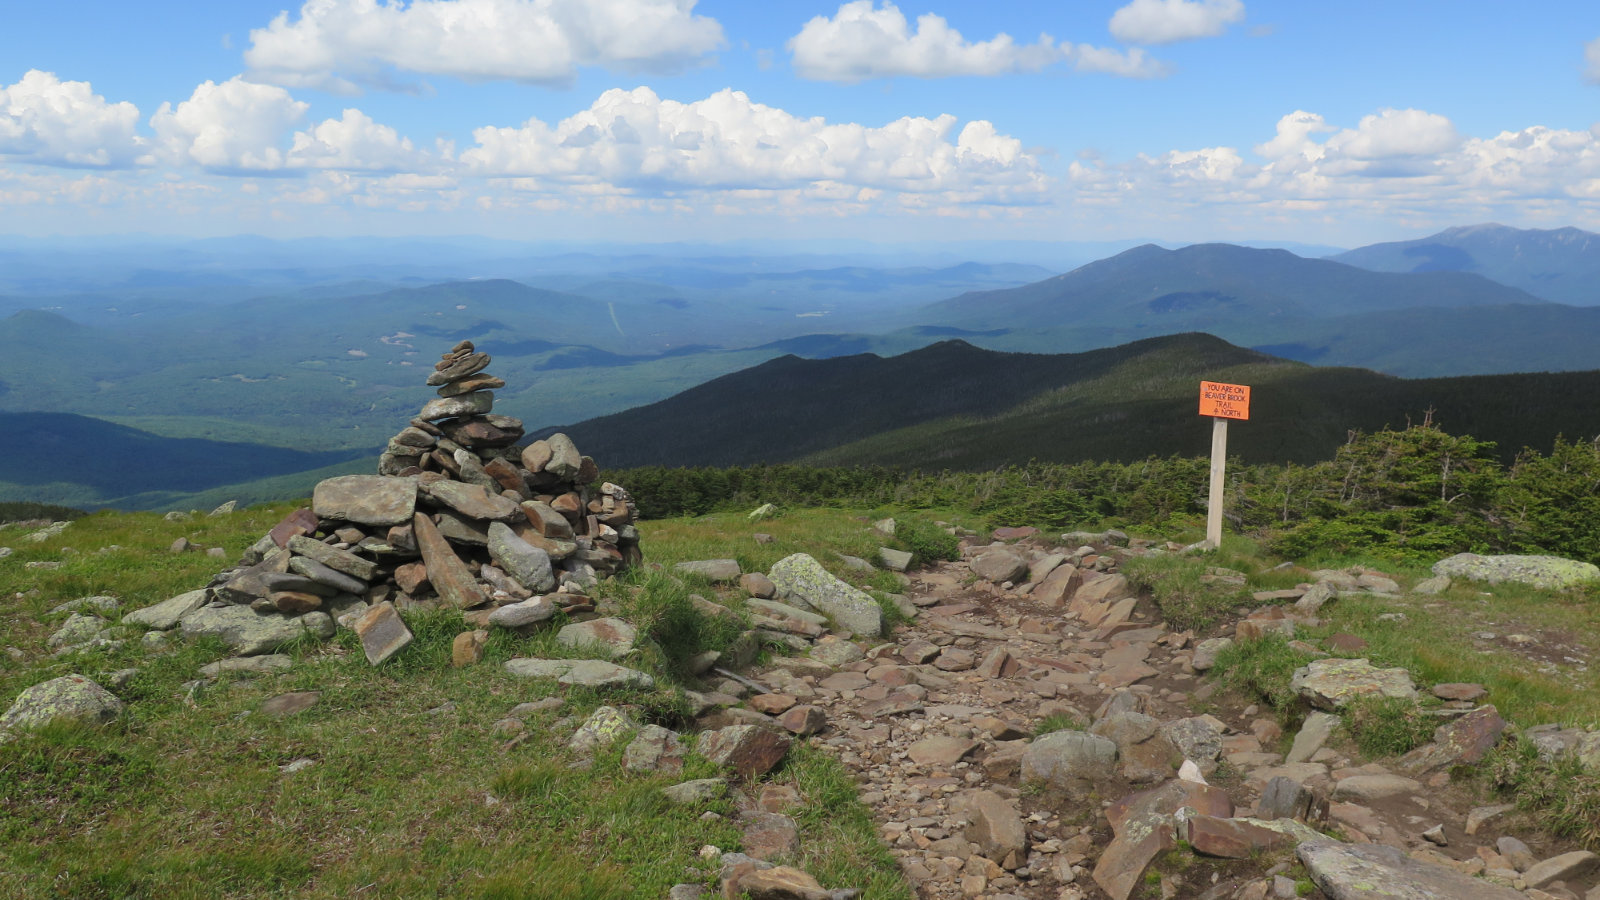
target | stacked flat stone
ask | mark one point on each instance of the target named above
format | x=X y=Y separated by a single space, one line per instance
x=459 y=516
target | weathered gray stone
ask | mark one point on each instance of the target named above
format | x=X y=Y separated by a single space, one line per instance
x=528 y=612
x=1205 y=653
x=527 y=564
x=565 y=459
x=1550 y=572
x=1365 y=871
x=1334 y=683
x=366 y=499
x=103 y=603
x=696 y=792
x=248 y=665
x=70 y=697
x=1366 y=788
x=1313 y=734
x=1196 y=738
x=77 y=629
x=711 y=569
x=581 y=672
x=474 y=501
x=850 y=608
x=1565 y=867
x=994 y=825
x=476 y=403
x=1438 y=584
x=894 y=560
x=311 y=570
x=382 y=632
x=615 y=636
x=654 y=749
x=334 y=558
x=837 y=653
x=245 y=631
x=1069 y=759
x=999 y=565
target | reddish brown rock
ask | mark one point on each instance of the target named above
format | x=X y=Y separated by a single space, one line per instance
x=776 y=883
x=999 y=664
x=507 y=476
x=750 y=750
x=1057 y=586
x=1232 y=838
x=448 y=574
x=411 y=577
x=1465 y=692
x=771 y=704
x=804 y=720
x=301 y=521
x=757 y=585
x=295 y=602
x=536 y=456
x=1142 y=824
x=1463 y=742
x=467 y=648
x=382 y=633
x=568 y=505
x=1340 y=642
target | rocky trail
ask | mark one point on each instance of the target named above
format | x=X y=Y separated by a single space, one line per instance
x=940 y=724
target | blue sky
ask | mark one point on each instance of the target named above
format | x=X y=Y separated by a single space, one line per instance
x=669 y=119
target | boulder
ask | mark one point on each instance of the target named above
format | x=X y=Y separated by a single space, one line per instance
x=366 y=499
x=528 y=612
x=1549 y=572
x=528 y=565
x=1350 y=872
x=474 y=501
x=246 y=632
x=654 y=749
x=1334 y=683
x=1069 y=759
x=851 y=609
x=1000 y=565
x=614 y=636
x=995 y=826
x=70 y=697
x=474 y=404
x=750 y=750
x=334 y=558
x=604 y=727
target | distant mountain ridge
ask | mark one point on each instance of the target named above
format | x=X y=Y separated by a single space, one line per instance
x=1561 y=265
x=1191 y=287
x=958 y=406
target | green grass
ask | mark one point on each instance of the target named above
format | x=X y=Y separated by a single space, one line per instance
x=412 y=792
x=1388 y=726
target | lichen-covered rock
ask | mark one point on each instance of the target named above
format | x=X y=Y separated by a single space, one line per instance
x=246 y=632
x=615 y=636
x=604 y=727
x=1550 y=572
x=850 y=608
x=1355 y=872
x=1334 y=683
x=72 y=697
x=1069 y=759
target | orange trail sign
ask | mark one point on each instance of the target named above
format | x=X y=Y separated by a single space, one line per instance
x=1221 y=402
x=1225 y=401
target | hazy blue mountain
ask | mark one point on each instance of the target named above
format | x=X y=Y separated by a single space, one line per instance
x=87 y=462
x=1207 y=285
x=1561 y=264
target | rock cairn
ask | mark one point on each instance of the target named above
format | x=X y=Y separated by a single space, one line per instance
x=459 y=516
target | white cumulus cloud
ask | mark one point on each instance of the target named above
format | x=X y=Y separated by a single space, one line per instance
x=344 y=44
x=1167 y=21
x=1132 y=63
x=1397 y=132
x=638 y=142
x=65 y=123
x=232 y=126
x=863 y=40
x=354 y=142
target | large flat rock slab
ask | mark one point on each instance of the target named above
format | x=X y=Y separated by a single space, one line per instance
x=366 y=499
x=245 y=631
x=1368 y=871
x=1550 y=572
x=593 y=673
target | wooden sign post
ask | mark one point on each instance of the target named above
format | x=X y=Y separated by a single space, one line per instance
x=1222 y=402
